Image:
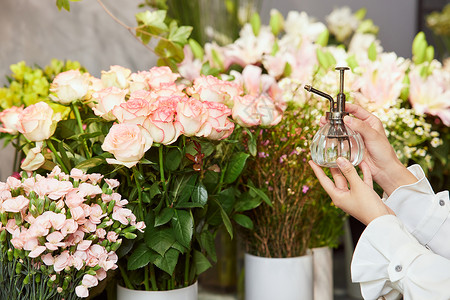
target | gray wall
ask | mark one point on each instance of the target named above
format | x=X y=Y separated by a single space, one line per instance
x=35 y=31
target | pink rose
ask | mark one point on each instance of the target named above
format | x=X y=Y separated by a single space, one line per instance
x=161 y=123
x=128 y=143
x=9 y=119
x=245 y=111
x=268 y=112
x=106 y=100
x=38 y=122
x=212 y=89
x=138 y=81
x=16 y=204
x=34 y=160
x=69 y=86
x=217 y=126
x=117 y=76
x=191 y=114
x=133 y=111
x=160 y=76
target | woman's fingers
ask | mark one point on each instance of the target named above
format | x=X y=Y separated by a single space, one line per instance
x=325 y=182
x=367 y=174
x=339 y=179
x=349 y=171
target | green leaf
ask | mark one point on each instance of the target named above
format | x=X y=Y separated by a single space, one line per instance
x=183 y=226
x=183 y=187
x=180 y=34
x=90 y=163
x=419 y=48
x=261 y=195
x=154 y=190
x=207 y=242
x=352 y=62
x=322 y=58
x=196 y=49
x=360 y=14
x=247 y=203
x=255 y=21
x=429 y=53
x=235 y=166
x=167 y=262
x=322 y=39
x=226 y=222
x=372 y=52
x=139 y=257
x=173 y=159
x=64 y=156
x=201 y=262
x=243 y=220
x=159 y=240
x=154 y=19
x=169 y=49
x=164 y=216
x=200 y=194
x=63 y=4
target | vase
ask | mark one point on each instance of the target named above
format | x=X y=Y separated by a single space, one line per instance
x=186 y=293
x=323 y=273
x=278 y=278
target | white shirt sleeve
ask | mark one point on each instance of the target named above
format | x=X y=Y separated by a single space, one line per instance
x=425 y=215
x=388 y=261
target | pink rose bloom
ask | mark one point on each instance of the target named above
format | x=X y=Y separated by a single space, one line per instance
x=61 y=261
x=138 y=81
x=381 y=81
x=112 y=183
x=133 y=111
x=166 y=91
x=34 y=160
x=95 y=178
x=84 y=245
x=128 y=143
x=13 y=183
x=269 y=114
x=160 y=76
x=9 y=119
x=431 y=95
x=141 y=95
x=106 y=100
x=122 y=215
x=37 y=122
x=191 y=113
x=117 y=76
x=112 y=236
x=162 y=124
x=87 y=189
x=217 y=126
x=70 y=226
x=245 y=111
x=212 y=89
x=77 y=174
x=15 y=204
x=54 y=241
x=69 y=86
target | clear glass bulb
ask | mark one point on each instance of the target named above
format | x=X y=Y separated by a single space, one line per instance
x=334 y=140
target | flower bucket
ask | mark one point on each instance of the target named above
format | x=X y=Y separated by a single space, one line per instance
x=186 y=293
x=278 y=278
x=323 y=273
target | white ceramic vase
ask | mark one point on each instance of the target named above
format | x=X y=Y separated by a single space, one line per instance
x=187 y=293
x=278 y=278
x=323 y=273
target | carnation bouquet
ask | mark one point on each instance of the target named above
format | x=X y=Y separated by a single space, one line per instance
x=59 y=233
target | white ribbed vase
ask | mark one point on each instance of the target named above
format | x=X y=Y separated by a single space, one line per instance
x=278 y=278
x=187 y=293
x=323 y=273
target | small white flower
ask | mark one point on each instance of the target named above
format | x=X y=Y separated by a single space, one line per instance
x=419 y=131
x=436 y=142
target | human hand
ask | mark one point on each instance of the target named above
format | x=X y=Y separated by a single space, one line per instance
x=380 y=157
x=351 y=194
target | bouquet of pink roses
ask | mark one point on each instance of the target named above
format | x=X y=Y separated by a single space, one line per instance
x=59 y=233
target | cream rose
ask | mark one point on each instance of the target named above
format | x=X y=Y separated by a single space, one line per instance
x=210 y=88
x=158 y=77
x=133 y=111
x=217 y=126
x=128 y=143
x=37 y=122
x=117 y=76
x=106 y=100
x=69 y=86
x=191 y=113
x=34 y=160
x=245 y=111
x=9 y=118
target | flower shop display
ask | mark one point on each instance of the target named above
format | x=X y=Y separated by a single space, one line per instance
x=59 y=233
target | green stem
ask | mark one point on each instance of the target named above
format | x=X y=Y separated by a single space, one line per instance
x=80 y=126
x=153 y=278
x=138 y=185
x=161 y=172
x=125 y=278
x=147 y=286
x=186 y=270
x=58 y=158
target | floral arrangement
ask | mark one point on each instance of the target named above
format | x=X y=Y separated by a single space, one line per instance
x=172 y=141
x=59 y=233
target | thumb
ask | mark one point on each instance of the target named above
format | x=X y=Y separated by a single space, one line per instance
x=348 y=170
